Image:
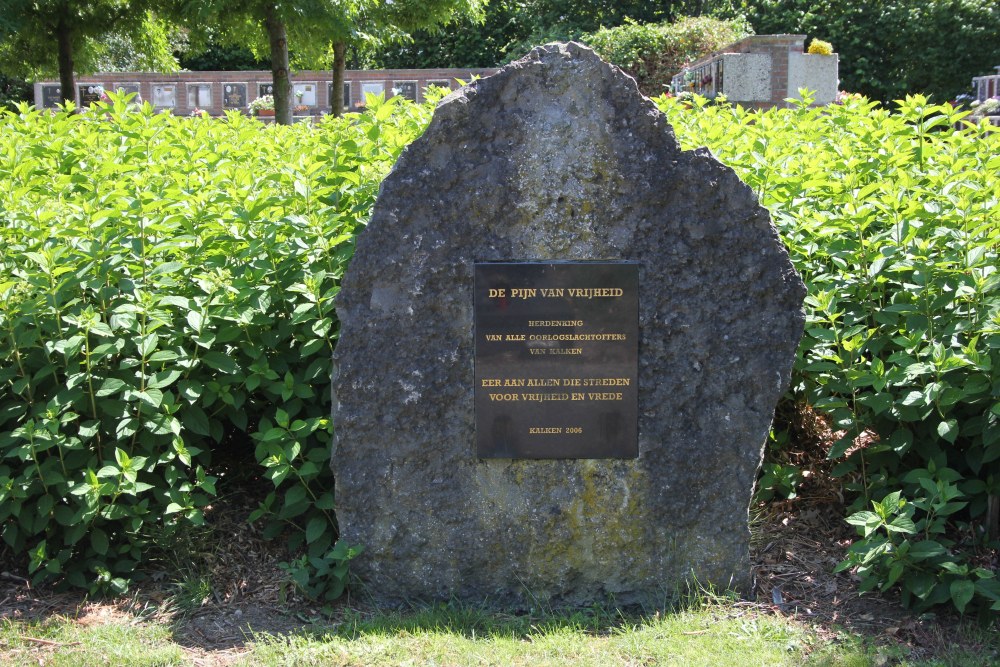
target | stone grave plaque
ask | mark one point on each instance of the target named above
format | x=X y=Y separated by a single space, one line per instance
x=347 y=95
x=265 y=89
x=234 y=95
x=90 y=94
x=51 y=96
x=164 y=95
x=556 y=362
x=407 y=89
x=128 y=89
x=305 y=94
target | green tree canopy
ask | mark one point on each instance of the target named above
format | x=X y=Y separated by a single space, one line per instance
x=512 y=27
x=654 y=52
x=892 y=48
x=40 y=37
x=317 y=30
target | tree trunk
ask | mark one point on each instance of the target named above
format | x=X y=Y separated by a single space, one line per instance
x=64 y=38
x=337 y=91
x=280 y=75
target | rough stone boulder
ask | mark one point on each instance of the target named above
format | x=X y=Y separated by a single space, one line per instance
x=558 y=157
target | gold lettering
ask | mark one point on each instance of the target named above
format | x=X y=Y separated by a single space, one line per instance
x=544 y=397
x=555 y=323
x=542 y=382
x=595 y=292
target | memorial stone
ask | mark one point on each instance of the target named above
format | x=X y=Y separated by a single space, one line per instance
x=90 y=94
x=234 y=95
x=557 y=161
x=51 y=96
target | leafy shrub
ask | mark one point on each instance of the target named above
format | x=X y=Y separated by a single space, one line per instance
x=166 y=294
x=13 y=90
x=653 y=53
x=891 y=218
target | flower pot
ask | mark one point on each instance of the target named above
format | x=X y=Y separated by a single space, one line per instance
x=266 y=112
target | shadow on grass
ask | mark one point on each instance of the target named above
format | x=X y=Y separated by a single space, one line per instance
x=472 y=621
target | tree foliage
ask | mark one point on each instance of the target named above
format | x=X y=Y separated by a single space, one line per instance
x=512 y=27
x=653 y=53
x=892 y=48
x=216 y=57
x=312 y=30
x=384 y=22
x=39 y=37
x=12 y=91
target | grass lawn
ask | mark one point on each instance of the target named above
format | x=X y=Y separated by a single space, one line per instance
x=232 y=605
x=709 y=632
x=714 y=634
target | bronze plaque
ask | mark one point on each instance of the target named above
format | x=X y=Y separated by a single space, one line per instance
x=557 y=358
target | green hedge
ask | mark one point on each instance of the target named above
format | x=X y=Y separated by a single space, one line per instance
x=654 y=52
x=892 y=220
x=166 y=292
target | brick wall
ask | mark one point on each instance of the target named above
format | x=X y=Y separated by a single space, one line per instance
x=217 y=92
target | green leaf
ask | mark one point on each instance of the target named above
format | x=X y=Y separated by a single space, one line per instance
x=195 y=320
x=152 y=397
x=195 y=419
x=165 y=268
x=109 y=387
x=99 y=541
x=921 y=584
x=901 y=524
x=191 y=390
x=316 y=527
x=147 y=344
x=164 y=379
x=962 y=591
x=220 y=362
x=926 y=549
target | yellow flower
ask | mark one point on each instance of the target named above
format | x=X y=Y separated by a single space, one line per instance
x=821 y=48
